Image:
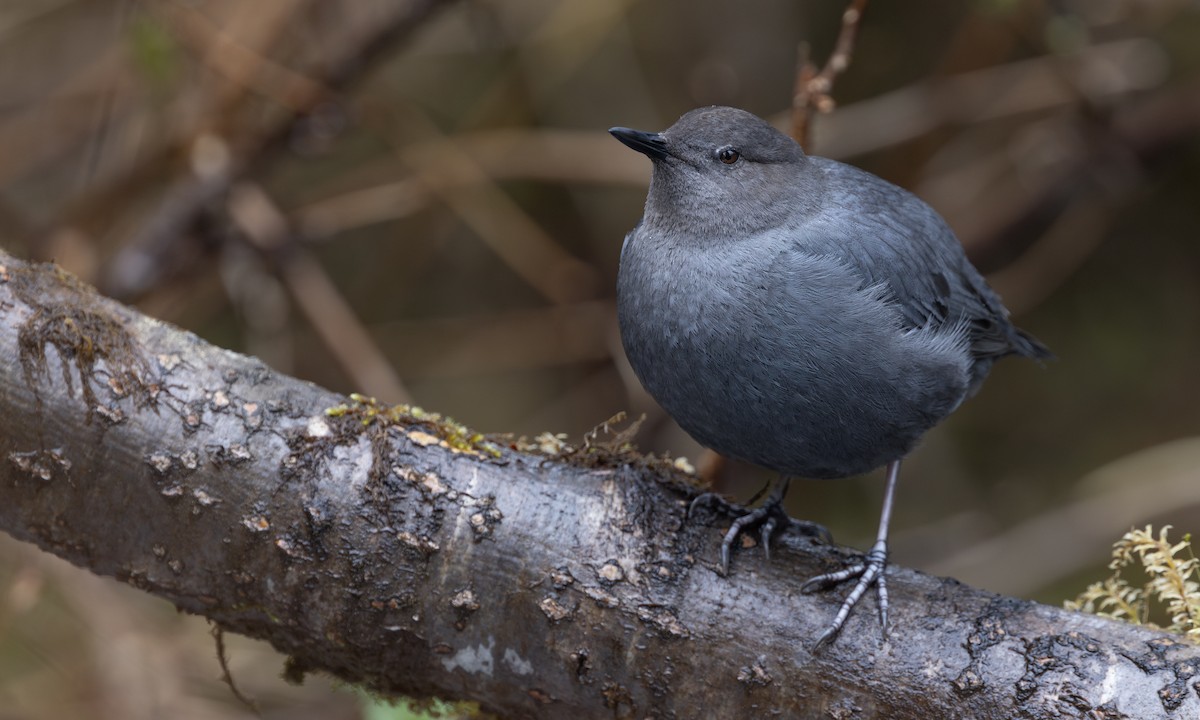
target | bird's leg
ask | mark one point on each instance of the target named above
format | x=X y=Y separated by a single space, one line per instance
x=769 y=517
x=869 y=572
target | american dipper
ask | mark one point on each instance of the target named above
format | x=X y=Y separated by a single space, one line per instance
x=799 y=314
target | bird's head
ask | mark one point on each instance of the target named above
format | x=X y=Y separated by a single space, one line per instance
x=722 y=170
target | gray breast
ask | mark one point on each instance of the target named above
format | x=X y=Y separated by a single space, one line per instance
x=782 y=358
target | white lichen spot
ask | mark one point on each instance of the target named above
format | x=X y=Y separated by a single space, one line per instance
x=175 y=565
x=253 y=417
x=464 y=600
x=204 y=498
x=239 y=453
x=40 y=464
x=630 y=570
x=189 y=459
x=602 y=597
x=1111 y=685
x=755 y=674
x=116 y=387
x=317 y=427
x=611 y=572
x=168 y=362
x=662 y=619
x=553 y=609
x=172 y=491
x=424 y=439
x=474 y=660
x=931 y=669
x=423 y=544
x=682 y=464
x=516 y=663
x=220 y=400
x=161 y=462
x=160 y=551
x=287 y=547
x=111 y=415
x=431 y=483
x=256 y=523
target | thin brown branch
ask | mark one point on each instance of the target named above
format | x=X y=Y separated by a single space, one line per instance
x=497 y=220
x=353 y=44
x=323 y=305
x=243 y=65
x=218 y=635
x=814 y=88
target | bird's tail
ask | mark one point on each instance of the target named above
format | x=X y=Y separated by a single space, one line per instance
x=1028 y=346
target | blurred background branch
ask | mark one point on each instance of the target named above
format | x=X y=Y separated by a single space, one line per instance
x=814 y=86
x=416 y=200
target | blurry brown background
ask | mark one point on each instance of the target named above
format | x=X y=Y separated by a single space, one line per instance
x=417 y=200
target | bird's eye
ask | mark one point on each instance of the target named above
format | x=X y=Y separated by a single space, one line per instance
x=728 y=155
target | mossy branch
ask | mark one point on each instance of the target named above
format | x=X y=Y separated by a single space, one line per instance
x=400 y=553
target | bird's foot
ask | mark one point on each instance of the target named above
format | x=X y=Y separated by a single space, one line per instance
x=871 y=571
x=769 y=518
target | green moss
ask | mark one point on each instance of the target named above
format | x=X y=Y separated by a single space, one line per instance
x=458 y=437
x=610 y=444
x=155 y=53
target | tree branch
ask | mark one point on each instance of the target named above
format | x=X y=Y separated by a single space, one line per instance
x=814 y=88
x=401 y=553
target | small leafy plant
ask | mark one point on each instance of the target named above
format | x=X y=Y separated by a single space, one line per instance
x=1172 y=583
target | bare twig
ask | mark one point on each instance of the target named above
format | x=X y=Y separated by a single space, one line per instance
x=352 y=48
x=317 y=296
x=503 y=225
x=813 y=88
x=243 y=65
x=218 y=634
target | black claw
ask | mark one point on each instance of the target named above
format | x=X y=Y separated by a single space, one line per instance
x=727 y=543
x=701 y=500
x=768 y=527
x=769 y=518
x=826 y=638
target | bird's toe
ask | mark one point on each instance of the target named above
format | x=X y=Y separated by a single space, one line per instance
x=870 y=572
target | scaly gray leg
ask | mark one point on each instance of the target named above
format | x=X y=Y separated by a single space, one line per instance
x=871 y=571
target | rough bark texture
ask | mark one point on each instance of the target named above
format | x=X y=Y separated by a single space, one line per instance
x=541 y=588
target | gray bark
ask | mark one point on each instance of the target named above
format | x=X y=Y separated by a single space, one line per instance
x=539 y=587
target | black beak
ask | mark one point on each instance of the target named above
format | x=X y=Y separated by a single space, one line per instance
x=652 y=144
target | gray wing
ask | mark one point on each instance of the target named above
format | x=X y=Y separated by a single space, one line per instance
x=896 y=240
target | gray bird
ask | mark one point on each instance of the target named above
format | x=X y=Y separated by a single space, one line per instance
x=799 y=314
